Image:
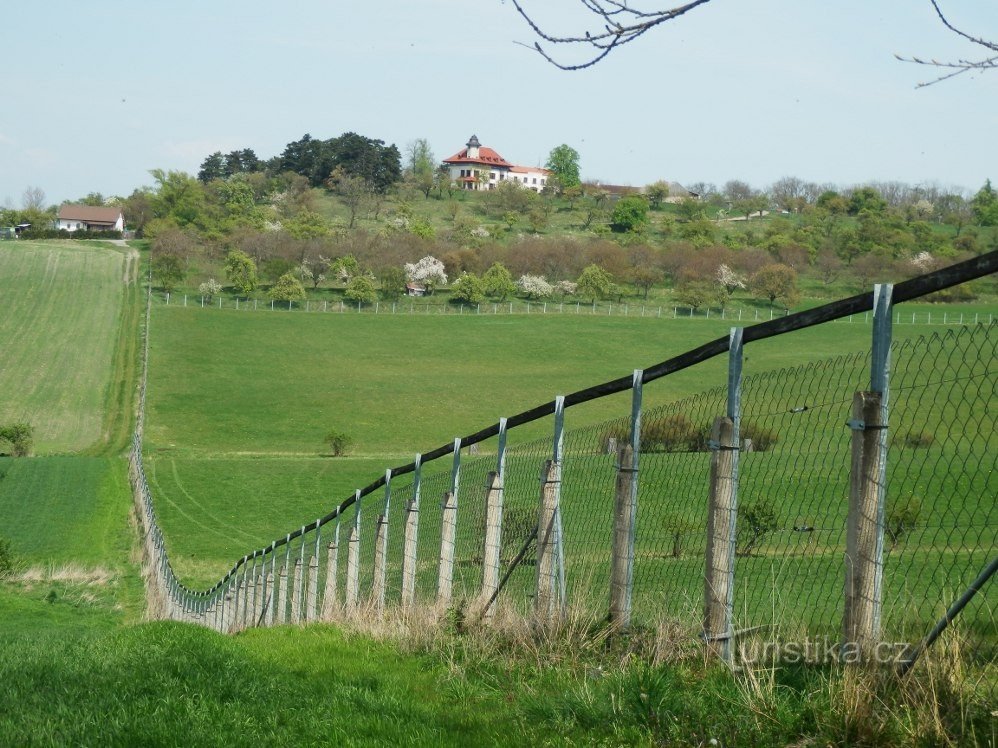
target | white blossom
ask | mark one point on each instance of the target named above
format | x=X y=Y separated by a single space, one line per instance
x=534 y=286
x=923 y=262
x=566 y=287
x=210 y=287
x=729 y=278
x=428 y=271
x=480 y=232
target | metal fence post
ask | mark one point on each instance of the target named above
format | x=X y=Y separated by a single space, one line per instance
x=410 y=547
x=625 y=515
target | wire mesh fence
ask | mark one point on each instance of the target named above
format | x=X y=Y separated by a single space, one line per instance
x=832 y=527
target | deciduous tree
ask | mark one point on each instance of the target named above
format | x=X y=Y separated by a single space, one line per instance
x=776 y=282
x=564 y=162
x=594 y=283
x=241 y=272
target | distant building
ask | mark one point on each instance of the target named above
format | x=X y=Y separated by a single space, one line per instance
x=90 y=218
x=477 y=167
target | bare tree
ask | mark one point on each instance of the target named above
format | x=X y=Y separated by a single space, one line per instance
x=33 y=199
x=619 y=24
x=956 y=67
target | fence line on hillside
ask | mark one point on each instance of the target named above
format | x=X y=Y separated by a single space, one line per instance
x=519 y=307
x=838 y=526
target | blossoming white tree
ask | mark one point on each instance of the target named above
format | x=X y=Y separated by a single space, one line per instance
x=429 y=271
x=729 y=278
x=209 y=288
x=534 y=286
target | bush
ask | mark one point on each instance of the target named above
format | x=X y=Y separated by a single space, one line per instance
x=902 y=518
x=7 y=560
x=673 y=432
x=20 y=436
x=755 y=521
x=914 y=439
x=762 y=438
x=338 y=442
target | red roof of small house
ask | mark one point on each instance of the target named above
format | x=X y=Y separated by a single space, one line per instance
x=89 y=214
x=486 y=156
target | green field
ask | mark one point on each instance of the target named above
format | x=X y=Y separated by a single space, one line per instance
x=63 y=340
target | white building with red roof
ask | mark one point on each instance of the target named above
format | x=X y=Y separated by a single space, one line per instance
x=478 y=167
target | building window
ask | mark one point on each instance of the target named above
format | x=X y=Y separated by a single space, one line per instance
x=535 y=180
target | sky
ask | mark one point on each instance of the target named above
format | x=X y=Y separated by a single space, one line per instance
x=98 y=93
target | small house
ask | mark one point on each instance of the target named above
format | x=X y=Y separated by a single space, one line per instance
x=90 y=218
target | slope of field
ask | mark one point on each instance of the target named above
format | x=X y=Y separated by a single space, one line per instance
x=61 y=323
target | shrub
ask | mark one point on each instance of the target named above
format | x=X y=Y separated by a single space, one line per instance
x=674 y=432
x=914 y=439
x=338 y=442
x=902 y=518
x=762 y=438
x=755 y=522
x=7 y=560
x=20 y=436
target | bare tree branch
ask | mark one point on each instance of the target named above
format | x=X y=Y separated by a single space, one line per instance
x=620 y=25
x=959 y=66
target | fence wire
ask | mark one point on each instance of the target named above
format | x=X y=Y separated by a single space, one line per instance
x=420 y=541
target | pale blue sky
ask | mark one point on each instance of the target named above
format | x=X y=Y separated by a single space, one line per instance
x=97 y=93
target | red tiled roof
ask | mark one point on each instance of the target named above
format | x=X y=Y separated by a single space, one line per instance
x=485 y=156
x=88 y=213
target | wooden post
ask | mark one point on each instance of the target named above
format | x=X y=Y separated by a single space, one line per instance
x=721 y=517
x=258 y=597
x=272 y=592
x=448 y=530
x=622 y=560
x=353 y=569
x=296 y=593
x=282 y=595
x=863 y=562
x=409 y=560
x=493 y=540
x=250 y=596
x=226 y=626
x=545 y=598
x=380 y=549
x=332 y=569
x=312 y=597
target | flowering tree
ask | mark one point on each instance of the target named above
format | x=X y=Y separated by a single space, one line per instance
x=429 y=271
x=534 y=287
x=729 y=279
x=209 y=288
x=566 y=288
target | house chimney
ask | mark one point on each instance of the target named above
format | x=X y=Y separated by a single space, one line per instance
x=473 y=146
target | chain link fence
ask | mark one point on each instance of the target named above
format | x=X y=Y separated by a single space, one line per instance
x=770 y=512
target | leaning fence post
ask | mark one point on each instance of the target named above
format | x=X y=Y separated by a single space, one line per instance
x=545 y=605
x=448 y=530
x=720 y=564
x=625 y=515
x=493 y=539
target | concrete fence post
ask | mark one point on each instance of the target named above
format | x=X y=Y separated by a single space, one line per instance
x=492 y=550
x=448 y=531
x=622 y=558
x=863 y=563
x=258 y=603
x=411 y=540
x=545 y=597
x=721 y=518
x=282 y=595
x=353 y=569
x=329 y=600
x=296 y=593
x=312 y=598
x=380 y=571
